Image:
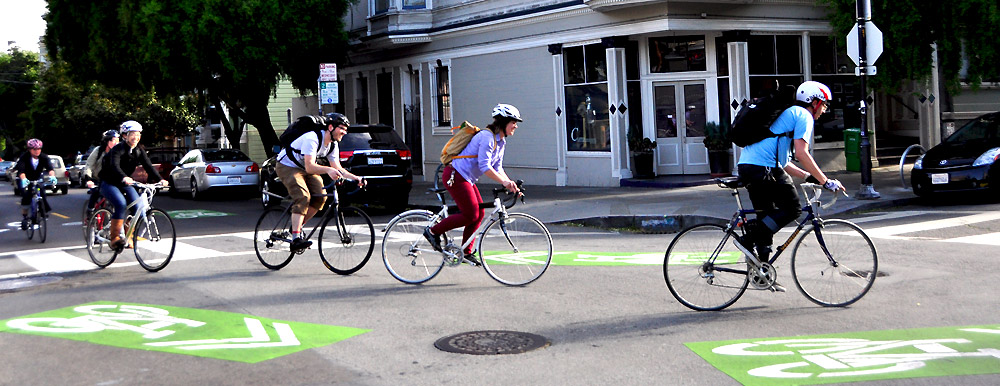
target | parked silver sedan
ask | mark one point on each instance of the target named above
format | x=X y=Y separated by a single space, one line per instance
x=201 y=170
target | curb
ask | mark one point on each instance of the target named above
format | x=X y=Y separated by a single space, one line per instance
x=676 y=223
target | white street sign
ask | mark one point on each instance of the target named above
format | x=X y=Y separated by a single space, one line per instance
x=329 y=93
x=873 y=43
x=327 y=72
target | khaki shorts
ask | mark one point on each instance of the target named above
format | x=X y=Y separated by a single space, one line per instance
x=301 y=186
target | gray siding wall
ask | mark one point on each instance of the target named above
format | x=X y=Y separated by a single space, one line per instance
x=524 y=79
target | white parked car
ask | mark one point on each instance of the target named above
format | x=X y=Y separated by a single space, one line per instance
x=201 y=170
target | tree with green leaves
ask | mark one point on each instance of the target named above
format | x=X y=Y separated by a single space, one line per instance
x=967 y=34
x=69 y=115
x=18 y=74
x=234 y=52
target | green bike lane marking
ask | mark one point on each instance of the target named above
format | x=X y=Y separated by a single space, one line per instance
x=857 y=356
x=578 y=258
x=178 y=330
x=195 y=213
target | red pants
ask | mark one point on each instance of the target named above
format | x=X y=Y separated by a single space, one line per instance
x=467 y=198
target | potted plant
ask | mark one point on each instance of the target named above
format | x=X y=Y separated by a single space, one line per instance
x=642 y=154
x=720 y=147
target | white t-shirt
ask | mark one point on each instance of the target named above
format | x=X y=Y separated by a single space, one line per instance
x=307 y=144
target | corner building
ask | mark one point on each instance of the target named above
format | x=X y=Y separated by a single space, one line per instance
x=585 y=74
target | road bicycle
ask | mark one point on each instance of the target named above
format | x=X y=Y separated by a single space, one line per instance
x=346 y=235
x=37 y=217
x=833 y=262
x=514 y=248
x=149 y=230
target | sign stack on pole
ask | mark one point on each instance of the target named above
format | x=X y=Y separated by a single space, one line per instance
x=329 y=89
x=864 y=45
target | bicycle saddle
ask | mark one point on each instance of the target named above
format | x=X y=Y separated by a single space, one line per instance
x=730 y=182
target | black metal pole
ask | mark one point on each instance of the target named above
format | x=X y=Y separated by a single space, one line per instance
x=866 y=191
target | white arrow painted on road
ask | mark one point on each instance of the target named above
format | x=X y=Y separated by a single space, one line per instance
x=258 y=338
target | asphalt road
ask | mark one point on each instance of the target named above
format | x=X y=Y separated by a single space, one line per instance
x=606 y=324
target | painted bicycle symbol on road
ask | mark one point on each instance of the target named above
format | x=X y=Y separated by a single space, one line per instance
x=849 y=357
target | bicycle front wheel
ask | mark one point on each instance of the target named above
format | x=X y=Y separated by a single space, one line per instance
x=704 y=270
x=272 y=238
x=42 y=224
x=834 y=265
x=515 y=250
x=97 y=234
x=154 y=240
x=346 y=240
x=408 y=256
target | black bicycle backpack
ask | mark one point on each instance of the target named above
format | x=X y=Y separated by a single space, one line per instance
x=754 y=119
x=301 y=126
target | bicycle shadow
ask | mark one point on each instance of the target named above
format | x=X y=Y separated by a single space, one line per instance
x=749 y=318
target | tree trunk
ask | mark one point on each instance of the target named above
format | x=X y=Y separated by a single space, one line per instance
x=257 y=115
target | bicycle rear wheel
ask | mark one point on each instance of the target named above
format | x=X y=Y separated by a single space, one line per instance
x=346 y=245
x=97 y=234
x=154 y=240
x=42 y=224
x=516 y=250
x=704 y=270
x=30 y=230
x=408 y=256
x=842 y=277
x=272 y=238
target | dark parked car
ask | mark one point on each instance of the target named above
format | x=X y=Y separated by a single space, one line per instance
x=965 y=161
x=375 y=152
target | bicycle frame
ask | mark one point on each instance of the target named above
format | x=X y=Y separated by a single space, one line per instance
x=332 y=207
x=145 y=201
x=740 y=217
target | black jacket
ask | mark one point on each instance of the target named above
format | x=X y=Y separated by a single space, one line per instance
x=31 y=173
x=121 y=161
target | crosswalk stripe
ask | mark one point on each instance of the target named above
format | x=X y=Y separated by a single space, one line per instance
x=54 y=261
x=983 y=239
x=893 y=230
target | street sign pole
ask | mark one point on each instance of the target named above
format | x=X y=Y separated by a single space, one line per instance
x=866 y=191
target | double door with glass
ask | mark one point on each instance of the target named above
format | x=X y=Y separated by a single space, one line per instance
x=679 y=120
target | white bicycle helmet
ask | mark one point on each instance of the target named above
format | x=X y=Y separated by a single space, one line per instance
x=809 y=90
x=128 y=126
x=507 y=111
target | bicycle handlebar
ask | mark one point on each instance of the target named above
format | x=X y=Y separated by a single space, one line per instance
x=817 y=192
x=341 y=180
x=511 y=197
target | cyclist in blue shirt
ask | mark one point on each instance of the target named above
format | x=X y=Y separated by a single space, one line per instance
x=766 y=169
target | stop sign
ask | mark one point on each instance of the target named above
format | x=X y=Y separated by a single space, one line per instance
x=873 y=43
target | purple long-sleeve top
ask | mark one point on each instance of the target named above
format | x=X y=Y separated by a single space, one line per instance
x=487 y=149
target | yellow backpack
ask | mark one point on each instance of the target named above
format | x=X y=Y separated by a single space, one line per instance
x=461 y=135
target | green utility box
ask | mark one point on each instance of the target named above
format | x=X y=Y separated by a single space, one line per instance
x=852 y=148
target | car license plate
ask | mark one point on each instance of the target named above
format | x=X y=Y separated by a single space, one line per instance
x=939 y=178
x=374 y=161
x=234 y=179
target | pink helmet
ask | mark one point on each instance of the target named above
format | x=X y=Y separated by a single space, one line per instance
x=34 y=143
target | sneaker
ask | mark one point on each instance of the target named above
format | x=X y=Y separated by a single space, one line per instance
x=777 y=287
x=471 y=259
x=24 y=224
x=435 y=240
x=299 y=244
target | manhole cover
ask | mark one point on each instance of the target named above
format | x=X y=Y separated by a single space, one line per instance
x=13 y=284
x=491 y=342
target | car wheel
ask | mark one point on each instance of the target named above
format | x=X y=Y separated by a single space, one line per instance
x=64 y=189
x=194 y=189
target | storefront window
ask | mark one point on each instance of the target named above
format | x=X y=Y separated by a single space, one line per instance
x=587 y=113
x=677 y=53
x=414 y=4
x=634 y=89
x=774 y=62
x=832 y=67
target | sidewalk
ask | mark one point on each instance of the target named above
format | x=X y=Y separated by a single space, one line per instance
x=668 y=204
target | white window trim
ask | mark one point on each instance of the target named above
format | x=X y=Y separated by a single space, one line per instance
x=436 y=128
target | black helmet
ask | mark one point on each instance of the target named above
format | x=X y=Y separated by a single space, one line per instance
x=337 y=119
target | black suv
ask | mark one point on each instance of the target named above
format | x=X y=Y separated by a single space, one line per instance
x=375 y=152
